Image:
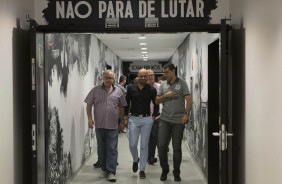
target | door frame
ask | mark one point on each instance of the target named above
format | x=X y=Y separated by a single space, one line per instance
x=38 y=106
x=225 y=105
x=222 y=29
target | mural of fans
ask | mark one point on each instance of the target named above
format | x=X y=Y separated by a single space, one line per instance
x=63 y=52
x=70 y=64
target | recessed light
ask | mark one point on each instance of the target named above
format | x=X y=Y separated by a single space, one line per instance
x=142 y=37
x=144 y=52
x=124 y=38
x=143 y=43
x=143 y=48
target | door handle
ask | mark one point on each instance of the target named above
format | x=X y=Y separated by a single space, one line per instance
x=222 y=134
x=33 y=74
x=216 y=134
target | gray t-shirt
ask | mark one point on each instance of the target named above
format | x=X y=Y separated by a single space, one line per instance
x=122 y=88
x=173 y=109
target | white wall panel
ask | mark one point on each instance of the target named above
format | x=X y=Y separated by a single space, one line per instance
x=263 y=92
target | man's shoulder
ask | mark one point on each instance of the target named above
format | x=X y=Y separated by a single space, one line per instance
x=121 y=88
x=118 y=85
x=157 y=85
x=99 y=86
x=148 y=86
x=118 y=89
x=181 y=81
x=131 y=86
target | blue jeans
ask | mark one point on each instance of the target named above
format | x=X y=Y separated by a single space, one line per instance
x=107 y=140
x=176 y=132
x=139 y=126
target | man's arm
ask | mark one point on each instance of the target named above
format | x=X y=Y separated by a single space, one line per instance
x=165 y=97
x=186 y=115
x=127 y=98
x=155 y=106
x=188 y=100
x=121 y=113
x=89 y=116
x=160 y=99
x=122 y=123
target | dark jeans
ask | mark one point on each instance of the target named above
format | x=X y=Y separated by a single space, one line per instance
x=176 y=132
x=153 y=139
x=107 y=140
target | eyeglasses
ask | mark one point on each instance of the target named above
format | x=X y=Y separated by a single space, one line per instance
x=108 y=78
x=142 y=76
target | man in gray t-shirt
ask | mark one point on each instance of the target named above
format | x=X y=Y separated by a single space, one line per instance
x=121 y=84
x=176 y=99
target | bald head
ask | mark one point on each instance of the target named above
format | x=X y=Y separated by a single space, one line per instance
x=142 y=76
x=142 y=71
x=108 y=78
x=109 y=72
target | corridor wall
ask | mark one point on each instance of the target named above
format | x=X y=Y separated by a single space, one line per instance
x=11 y=154
x=191 y=59
x=75 y=63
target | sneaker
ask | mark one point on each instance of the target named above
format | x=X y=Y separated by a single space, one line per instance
x=97 y=164
x=164 y=175
x=142 y=175
x=135 y=166
x=177 y=177
x=152 y=160
x=103 y=174
x=112 y=177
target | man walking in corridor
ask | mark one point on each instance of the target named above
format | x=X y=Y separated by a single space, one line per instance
x=175 y=97
x=108 y=102
x=138 y=97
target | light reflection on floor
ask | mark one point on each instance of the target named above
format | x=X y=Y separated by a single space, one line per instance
x=88 y=174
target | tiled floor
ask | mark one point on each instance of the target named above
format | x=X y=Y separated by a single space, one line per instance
x=88 y=174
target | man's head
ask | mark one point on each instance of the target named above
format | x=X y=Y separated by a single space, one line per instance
x=151 y=77
x=169 y=71
x=108 y=78
x=122 y=80
x=142 y=76
x=136 y=80
x=161 y=79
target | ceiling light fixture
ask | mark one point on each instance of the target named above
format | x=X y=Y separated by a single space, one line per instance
x=143 y=43
x=142 y=37
x=144 y=52
x=143 y=48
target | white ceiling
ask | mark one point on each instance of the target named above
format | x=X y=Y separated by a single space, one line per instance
x=160 y=46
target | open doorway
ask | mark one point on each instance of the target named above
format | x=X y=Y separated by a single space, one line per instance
x=74 y=63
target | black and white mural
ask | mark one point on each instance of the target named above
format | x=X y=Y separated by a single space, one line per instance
x=59 y=161
x=192 y=63
x=74 y=65
x=182 y=54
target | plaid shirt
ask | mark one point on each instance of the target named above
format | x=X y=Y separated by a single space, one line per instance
x=106 y=106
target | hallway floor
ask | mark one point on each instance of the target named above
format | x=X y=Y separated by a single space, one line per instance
x=189 y=172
